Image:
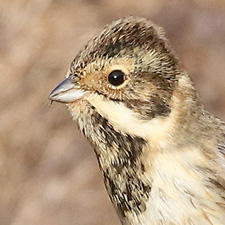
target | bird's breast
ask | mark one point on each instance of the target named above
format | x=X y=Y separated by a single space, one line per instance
x=179 y=193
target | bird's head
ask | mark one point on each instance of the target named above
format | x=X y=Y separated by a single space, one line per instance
x=127 y=73
x=128 y=92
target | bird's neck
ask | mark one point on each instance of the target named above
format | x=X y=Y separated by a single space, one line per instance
x=126 y=160
x=120 y=158
x=123 y=170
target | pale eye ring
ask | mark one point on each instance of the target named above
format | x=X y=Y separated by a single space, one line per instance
x=116 y=77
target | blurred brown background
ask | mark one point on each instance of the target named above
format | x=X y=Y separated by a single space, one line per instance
x=48 y=172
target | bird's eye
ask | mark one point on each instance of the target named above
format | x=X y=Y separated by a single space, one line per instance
x=116 y=77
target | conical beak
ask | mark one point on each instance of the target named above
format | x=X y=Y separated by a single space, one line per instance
x=66 y=92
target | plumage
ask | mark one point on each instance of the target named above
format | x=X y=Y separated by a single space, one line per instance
x=162 y=155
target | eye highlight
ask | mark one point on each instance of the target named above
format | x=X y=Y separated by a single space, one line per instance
x=116 y=77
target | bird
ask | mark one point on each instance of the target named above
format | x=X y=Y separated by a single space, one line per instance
x=160 y=152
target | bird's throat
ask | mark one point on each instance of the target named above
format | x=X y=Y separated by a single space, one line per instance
x=120 y=158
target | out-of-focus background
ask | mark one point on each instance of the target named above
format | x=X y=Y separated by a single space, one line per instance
x=48 y=172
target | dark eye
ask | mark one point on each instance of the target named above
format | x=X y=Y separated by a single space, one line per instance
x=116 y=77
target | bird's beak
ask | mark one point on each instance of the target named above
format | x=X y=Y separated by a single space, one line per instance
x=66 y=92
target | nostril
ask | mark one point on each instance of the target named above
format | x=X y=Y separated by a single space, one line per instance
x=73 y=77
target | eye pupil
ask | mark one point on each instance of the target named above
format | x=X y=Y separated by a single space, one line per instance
x=116 y=77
